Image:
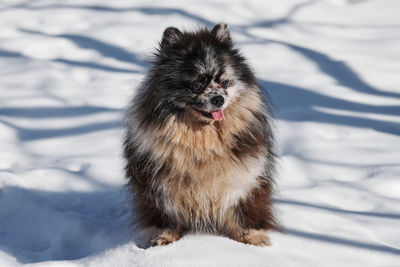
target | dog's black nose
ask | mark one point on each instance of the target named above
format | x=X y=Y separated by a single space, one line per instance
x=217 y=100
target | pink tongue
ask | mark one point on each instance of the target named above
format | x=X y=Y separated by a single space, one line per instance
x=218 y=115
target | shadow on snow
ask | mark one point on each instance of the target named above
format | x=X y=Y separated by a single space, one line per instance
x=343 y=241
x=299 y=104
x=337 y=210
x=40 y=225
x=29 y=134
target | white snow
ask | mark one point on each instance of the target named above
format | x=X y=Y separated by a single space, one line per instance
x=68 y=69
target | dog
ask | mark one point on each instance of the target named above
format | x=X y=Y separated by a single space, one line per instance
x=199 y=144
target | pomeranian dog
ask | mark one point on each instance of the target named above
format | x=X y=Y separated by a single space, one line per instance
x=199 y=142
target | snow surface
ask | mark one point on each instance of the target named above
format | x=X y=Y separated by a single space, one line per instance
x=68 y=69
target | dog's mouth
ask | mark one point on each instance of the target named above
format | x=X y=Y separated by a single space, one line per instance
x=217 y=115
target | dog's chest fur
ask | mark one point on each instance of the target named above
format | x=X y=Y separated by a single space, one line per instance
x=205 y=178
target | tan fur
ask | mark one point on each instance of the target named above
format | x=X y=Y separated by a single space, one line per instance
x=190 y=167
x=203 y=152
x=255 y=237
x=166 y=237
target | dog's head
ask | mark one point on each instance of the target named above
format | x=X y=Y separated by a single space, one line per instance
x=200 y=72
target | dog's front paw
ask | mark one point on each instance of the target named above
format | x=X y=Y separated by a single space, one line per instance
x=166 y=237
x=256 y=237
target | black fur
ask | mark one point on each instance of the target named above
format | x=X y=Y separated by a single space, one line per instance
x=188 y=70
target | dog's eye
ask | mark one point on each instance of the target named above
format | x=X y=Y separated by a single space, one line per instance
x=225 y=83
x=197 y=88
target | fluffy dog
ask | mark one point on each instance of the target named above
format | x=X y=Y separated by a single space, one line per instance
x=199 y=144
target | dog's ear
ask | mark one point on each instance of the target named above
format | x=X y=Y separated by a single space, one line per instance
x=171 y=35
x=221 y=31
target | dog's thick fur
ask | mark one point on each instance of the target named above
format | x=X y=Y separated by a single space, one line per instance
x=187 y=171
